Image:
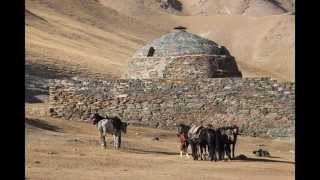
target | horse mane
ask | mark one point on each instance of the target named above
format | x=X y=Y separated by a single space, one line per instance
x=182 y=128
x=185 y=126
x=97 y=117
x=100 y=117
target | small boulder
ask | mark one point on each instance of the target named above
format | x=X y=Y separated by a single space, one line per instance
x=156 y=139
x=51 y=152
x=261 y=153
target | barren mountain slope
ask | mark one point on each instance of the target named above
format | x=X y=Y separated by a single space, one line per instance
x=230 y=7
x=100 y=36
x=200 y=7
x=73 y=34
x=262 y=46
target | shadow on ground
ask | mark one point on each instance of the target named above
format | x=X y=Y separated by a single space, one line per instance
x=42 y=125
x=144 y=151
x=31 y=95
x=248 y=159
x=45 y=72
x=36 y=81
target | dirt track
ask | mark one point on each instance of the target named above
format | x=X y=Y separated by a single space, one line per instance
x=58 y=149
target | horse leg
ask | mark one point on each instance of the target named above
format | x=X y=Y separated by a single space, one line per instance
x=233 y=147
x=119 y=141
x=185 y=148
x=220 y=150
x=181 y=149
x=214 y=154
x=207 y=153
x=201 y=152
x=204 y=151
x=228 y=151
x=223 y=152
x=187 y=154
x=210 y=152
x=213 y=149
x=194 y=151
x=103 y=140
x=197 y=150
x=104 y=143
x=114 y=141
x=113 y=137
x=187 y=144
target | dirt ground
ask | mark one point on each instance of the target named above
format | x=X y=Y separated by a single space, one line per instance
x=60 y=149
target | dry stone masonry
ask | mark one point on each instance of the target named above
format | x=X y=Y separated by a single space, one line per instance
x=182 y=55
x=183 y=67
x=260 y=106
x=182 y=78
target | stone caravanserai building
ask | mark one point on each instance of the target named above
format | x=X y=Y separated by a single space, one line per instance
x=182 y=77
x=182 y=55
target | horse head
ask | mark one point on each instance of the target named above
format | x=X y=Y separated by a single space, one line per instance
x=182 y=128
x=96 y=118
x=124 y=127
x=230 y=131
x=235 y=129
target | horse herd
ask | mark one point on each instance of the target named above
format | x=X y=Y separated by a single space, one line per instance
x=210 y=142
x=205 y=142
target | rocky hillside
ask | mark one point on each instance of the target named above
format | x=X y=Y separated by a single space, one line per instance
x=98 y=37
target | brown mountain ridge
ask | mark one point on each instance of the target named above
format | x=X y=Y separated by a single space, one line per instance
x=98 y=37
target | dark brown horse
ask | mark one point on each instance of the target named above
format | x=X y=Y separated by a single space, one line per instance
x=193 y=137
x=230 y=134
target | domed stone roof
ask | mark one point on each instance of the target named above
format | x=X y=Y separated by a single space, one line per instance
x=182 y=55
x=179 y=43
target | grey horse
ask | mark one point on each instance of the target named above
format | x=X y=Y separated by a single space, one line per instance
x=109 y=125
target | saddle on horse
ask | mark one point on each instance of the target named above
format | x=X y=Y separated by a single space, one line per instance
x=194 y=132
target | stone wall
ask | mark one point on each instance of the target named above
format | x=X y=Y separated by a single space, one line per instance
x=260 y=106
x=183 y=67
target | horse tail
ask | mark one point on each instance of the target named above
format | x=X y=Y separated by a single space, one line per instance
x=122 y=130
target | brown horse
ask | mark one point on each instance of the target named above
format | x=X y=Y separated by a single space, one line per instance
x=183 y=137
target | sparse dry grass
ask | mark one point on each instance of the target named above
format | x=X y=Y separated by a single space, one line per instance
x=72 y=151
x=86 y=37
